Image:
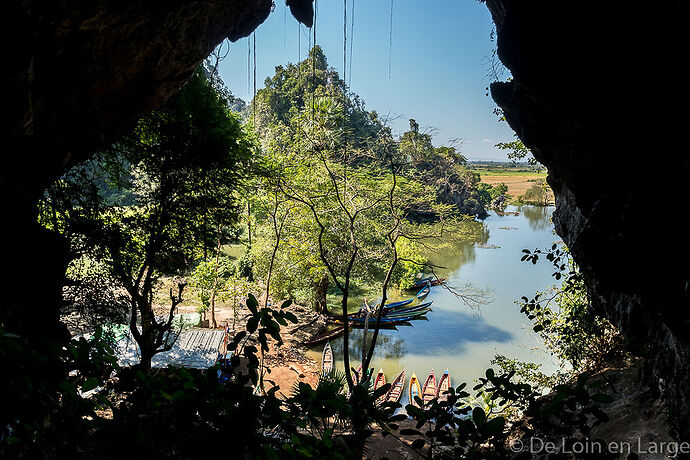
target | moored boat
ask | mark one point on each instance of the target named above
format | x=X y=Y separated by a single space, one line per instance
x=327 y=335
x=420 y=283
x=414 y=313
x=421 y=295
x=389 y=312
x=327 y=358
x=429 y=391
x=430 y=280
x=415 y=390
x=384 y=320
x=379 y=381
x=397 y=387
x=443 y=386
x=398 y=304
x=421 y=306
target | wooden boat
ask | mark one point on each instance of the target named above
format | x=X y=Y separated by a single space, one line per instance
x=397 y=317
x=414 y=313
x=421 y=306
x=397 y=387
x=391 y=326
x=429 y=391
x=398 y=304
x=420 y=283
x=415 y=390
x=393 y=312
x=327 y=335
x=327 y=358
x=421 y=295
x=430 y=280
x=443 y=386
x=380 y=380
x=384 y=320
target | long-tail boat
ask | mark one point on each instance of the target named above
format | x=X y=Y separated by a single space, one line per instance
x=327 y=335
x=429 y=391
x=431 y=280
x=443 y=386
x=380 y=380
x=397 y=387
x=415 y=390
x=327 y=358
x=421 y=295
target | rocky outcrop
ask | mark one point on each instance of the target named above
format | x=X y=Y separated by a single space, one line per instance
x=595 y=97
x=78 y=74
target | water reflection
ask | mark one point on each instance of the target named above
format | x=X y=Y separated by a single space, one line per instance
x=454 y=337
x=458 y=247
x=539 y=217
x=450 y=331
x=389 y=346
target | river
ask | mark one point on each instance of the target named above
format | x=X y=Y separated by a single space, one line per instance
x=464 y=338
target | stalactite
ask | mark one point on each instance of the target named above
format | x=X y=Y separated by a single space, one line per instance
x=249 y=66
x=352 y=35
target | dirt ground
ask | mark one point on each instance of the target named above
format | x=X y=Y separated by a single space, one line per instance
x=286 y=364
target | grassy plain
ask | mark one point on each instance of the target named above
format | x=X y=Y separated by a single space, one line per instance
x=518 y=179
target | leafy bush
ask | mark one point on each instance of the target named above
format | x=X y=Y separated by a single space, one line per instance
x=565 y=320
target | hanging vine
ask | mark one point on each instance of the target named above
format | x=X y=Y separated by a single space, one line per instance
x=390 y=41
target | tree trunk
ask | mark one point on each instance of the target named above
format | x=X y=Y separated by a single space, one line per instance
x=215 y=284
x=146 y=339
x=145 y=361
x=249 y=224
x=320 y=295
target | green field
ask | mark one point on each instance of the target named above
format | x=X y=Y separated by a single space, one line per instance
x=517 y=178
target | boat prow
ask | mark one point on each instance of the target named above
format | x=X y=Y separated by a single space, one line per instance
x=429 y=391
x=415 y=390
x=327 y=358
x=444 y=385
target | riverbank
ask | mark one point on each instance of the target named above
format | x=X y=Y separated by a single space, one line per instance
x=288 y=363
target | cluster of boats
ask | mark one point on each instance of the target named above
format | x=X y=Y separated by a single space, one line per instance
x=393 y=314
x=416 y=392
x=429 y=391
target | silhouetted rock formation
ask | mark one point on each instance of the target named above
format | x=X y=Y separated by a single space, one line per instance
x=595 y=97
x=78 y=75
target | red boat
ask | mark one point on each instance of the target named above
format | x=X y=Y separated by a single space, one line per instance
x=429 y=391
x=443 y=386
x=396 y=388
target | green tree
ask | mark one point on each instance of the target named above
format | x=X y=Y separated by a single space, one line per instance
x=186 y=161
x=539 y=193
x=210 y=280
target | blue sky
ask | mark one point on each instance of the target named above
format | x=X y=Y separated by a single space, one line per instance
x=438 y=64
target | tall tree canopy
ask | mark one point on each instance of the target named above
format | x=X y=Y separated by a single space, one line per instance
x=182 y=165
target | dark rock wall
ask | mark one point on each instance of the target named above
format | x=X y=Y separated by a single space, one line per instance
x=78 y=74
x=598 y=96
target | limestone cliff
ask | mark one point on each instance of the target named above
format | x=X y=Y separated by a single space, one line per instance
x=78 y=74
x=595 y=97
